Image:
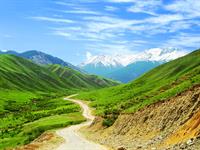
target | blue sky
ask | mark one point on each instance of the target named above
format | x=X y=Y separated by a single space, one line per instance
x=70 y=28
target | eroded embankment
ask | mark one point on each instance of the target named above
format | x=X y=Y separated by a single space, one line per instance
x=170 y=123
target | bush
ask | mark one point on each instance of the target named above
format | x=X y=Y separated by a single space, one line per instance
x=109 y=120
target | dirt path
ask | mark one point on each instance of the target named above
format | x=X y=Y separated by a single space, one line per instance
x=73 y=139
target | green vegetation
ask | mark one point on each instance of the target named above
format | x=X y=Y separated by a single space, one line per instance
x=30 y=100
x=30 y=131
x=23 y=120
x=21 y=74
x=156 y=85
x=79 y=80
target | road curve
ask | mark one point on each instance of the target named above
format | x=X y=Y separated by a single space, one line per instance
x=73 y=139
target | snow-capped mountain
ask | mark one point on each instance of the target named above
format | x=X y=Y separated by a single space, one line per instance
x=103 y=60
x=161 y=54
x=106 y=65
x=154 y=54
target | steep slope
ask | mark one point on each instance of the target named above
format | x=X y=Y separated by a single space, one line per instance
x=80 y=80
x=158 y=84
x=172 y=124
x=132 y=71
x=159 y=110
x=41 y=58
x=21 y=74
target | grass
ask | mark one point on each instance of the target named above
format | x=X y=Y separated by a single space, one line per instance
x=156 y=85
x=25 y=119
x=30 y=100
x=80 y=80
x=20 y=74
x=31 y=130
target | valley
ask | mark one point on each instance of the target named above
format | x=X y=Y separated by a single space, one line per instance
x=157 y=108
x=99 y=75
x=31 y=98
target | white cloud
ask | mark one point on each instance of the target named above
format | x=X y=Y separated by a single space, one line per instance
x=51 y=19
x=4 y=50
x=189 y=8
x=184 y=40
x=88 y=55
x=164 y=19
x=110 y=33
x=121 y=1
x=64 y=34
x=148 y=7
x=182 y=25
x=82 y=12
x=111 y=8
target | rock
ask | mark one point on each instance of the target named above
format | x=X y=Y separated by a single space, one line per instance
x=183 y=146
x=190 y=142
x=121 y=148
x=139 y=147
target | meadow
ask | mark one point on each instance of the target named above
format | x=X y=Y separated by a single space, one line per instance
x=28 y=115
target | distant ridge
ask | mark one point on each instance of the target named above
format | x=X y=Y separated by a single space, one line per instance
x=41 y=58
x=127 y=67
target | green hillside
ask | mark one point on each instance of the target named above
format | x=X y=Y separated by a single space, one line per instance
x=78 y=80
x=30 y=100
x=21 y=74
x=158 y=84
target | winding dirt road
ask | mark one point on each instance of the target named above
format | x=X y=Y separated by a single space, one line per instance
x=73 y=139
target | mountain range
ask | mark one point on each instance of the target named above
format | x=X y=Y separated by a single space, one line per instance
x=127 y=67
x=123 y=68
x=40 y=58
x=21 y=74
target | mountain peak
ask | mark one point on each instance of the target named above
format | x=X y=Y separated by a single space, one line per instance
x=163 y=54
x=102 y=60
x=153 y=54
x=41 y=58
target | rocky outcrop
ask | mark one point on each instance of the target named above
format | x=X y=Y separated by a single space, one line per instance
x=166 y=124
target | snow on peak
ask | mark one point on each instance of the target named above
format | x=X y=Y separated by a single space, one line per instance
x=153 y=54
x=163 y=54
x=105 y=60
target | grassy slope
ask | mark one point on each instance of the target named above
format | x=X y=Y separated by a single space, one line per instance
x=80 y=80
x=21 y=74
x=29 y=94
x=158 y=84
